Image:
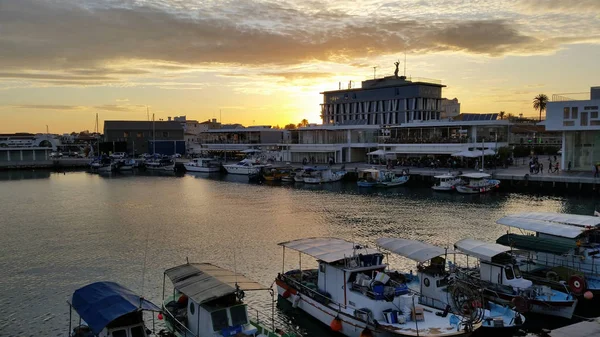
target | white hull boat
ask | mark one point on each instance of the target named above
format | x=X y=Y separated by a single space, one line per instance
x=475 y=183
x=204 y=165
x=446 y=183
x=319 y=176
x=245 y=167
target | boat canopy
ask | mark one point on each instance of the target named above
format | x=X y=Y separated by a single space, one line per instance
x=327 y=249
x=484 y=251
x=377 y=153
x=557 y=246
x=445 y=176
x=476 y=175
x=100 y=303
x=414 y=250
x=250 y=151
x=567 y=219
x=203 y=282
x=541 y=226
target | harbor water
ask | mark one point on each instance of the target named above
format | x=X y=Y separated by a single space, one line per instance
x=59 y=231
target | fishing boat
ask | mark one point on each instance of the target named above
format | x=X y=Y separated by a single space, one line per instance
x=478 y=182
x=245 y=167
x=206 y=165
x=125 y=164
x=380 y=178
x=439 y=288
x=207 y=300
x=160 y=164
x=392 y=180
x=564 y=248
x=303 y=173
x=500 y=277
x=275 y=173
x=291 y=175
x=109 y=309
x=445 y=182
x=351 y=292
x=323 y=175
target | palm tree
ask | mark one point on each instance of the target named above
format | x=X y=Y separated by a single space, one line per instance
x=304 y=122
x=539 y=103
x=501 y=114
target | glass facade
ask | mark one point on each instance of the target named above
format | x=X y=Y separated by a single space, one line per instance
x=582 y=150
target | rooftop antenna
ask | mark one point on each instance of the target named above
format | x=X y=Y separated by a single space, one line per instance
x=374 y=72
x=220 y=116
x=404 y=64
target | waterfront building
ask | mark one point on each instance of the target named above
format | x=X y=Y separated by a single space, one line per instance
x=236 y=138
x=579 y=122
x=450 y=108
x=534 y=135
x=21 y=140
x=137 y=136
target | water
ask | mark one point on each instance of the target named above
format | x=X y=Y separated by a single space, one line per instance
x=59 y=232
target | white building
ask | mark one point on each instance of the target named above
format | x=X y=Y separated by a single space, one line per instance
x=450 y=108
x=580 y=124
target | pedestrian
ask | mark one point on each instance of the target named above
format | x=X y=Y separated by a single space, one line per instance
x=541 y=168
x=595 y=171
x=549 y=165
x=477 y=164
x=557 y=170
x=568 y=167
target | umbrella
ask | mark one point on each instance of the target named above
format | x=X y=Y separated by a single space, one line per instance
x=377 y=153
x=250 y=151
x=467 y=154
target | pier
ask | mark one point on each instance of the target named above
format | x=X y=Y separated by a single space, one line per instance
x=581 y=329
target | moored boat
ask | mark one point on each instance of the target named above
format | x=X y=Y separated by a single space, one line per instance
x=206 y=165
x=475 y=183
x=245 y=167
x=445 y=182
x=160 y=164
x=324 y=175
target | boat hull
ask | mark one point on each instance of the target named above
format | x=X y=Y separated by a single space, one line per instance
x=475 y=189
x=233 y=169
x=443 y=188
x=557 y=308
x=201 y=169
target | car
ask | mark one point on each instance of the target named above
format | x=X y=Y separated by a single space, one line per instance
x=176 y=155
x=56 y=155
x=118 y=155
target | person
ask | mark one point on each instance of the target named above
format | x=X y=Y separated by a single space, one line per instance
x=595 y=170
x=541 y=168
x=568 y=167
x=477 y=164
x=557 y=168
x=549 y=165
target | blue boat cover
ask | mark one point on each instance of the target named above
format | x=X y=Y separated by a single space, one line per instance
x=100 y=303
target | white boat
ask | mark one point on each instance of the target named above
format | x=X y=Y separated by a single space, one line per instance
x=125 y=164
x=107 y=309
x=446 y=182
x=207 y=300
x=380 y=178
x=392 y=180
x=479 y=182
x=324 y=175
x=206 y=165
x=163 y=164
x=245 y=167
x=305 y=172
x=437 y=284
x=351 y=293
x=501 y=279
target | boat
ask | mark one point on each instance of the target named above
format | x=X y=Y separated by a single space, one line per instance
x=500 y=277
x=206 y=165
x=440 y=290
x=445 y=182
x=563 y=249
x=102 y=164
x=160 y=164
x=275 y=173
x=303 y=173
x=290 y=177
x=351 y=292
x=109 y=309
x=207 y=300
x=246 y=167
x=478 y=182
x=392 y=180
x=380 y=178
x=323 y=175
x=125 y=164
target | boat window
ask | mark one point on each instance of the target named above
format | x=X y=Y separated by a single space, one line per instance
x=119 y=333
x=238 y=315
x=192 y=307
x=219 y=319
x=517 y=271
x=138 y=331
x=509 y=273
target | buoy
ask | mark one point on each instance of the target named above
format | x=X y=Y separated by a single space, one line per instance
x=286 y=293
x=160 y=316
x=588 y=295
x=577 y=284
x=336 y=324
x=521 y=304
x=366 y=333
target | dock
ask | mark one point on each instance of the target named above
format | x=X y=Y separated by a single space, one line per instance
x=581 y=329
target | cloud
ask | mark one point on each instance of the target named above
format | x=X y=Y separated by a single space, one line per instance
x=48 y=107
x=119 y=108
x=582 y=6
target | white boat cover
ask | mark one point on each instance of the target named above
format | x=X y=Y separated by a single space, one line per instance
x=203 y=282
x=327 y=249
x=567 y=219
x=377 y=153
x=476 y=175
x=445 y=176
x=414 y=250
x=541 y=226
x=479 y=249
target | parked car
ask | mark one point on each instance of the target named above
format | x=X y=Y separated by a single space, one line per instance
x=118 y=155
x=56 y=155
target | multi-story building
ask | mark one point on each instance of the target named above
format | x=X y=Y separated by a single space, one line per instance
x=579 y=122
x=450 y=108
x=236 y=138
x=139 y=135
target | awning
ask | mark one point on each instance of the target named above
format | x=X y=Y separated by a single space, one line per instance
x=414 y=250
x=203 y=282
x=250 y=151
x=476 y=175
x=484 y=251
x=566 y=219
x=541 y=226
x=327 y=249
x=531 y=243
x=466 y=154
x=377 y=153
x=100 y=303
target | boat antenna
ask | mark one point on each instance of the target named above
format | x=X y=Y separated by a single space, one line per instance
x=405 y=64
x=144 y=266
x=374 y=72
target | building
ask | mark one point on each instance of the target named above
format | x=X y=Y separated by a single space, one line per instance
x=390 y=100
x=236 y=138
x=579 y=122
x=138 y=135
x=22 y=139
x=535 y=135
x=450 y=108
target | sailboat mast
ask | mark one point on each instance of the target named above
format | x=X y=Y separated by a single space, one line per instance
x=153 y=136
x=482 y=156
x=97 y=135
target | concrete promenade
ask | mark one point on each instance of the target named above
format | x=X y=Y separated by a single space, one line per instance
x=581 y=329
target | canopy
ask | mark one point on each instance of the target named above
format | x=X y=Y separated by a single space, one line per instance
x=203 y=282
x=474 y=154
x=567 y=219
x=377 y=153
x=445 y=176
x=476 y=175
x=484 y=251
x=414 y=250
x=100 y=303
x=327 y=249
x=556 y=246
x=541 y=226
x=250 y=151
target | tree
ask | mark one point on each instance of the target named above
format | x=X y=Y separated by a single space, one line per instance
x=501 y=114
x=290 y=126
x=539 y=103
x=304 y=122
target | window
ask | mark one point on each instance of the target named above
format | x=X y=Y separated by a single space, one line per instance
x=192 y=307
x=126 y=134
x=238 y=315
x=119 y=333
x=322 y=267
x=590 y=108
x=566 y=112
x=165 y=134
x=138 y=331
x=219 y=319
x=509 y=273
x=594 y=114
x=517 y=271
x=584 y=119
x=595 y=123
x=574 y=111
x=568 y=123
x=140 y=134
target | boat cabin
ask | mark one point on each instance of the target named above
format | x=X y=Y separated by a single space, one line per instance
x=371 y=175
x=109 y=309
x=478 y=179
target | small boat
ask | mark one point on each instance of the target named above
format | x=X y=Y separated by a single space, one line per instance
x=125 y=164
x=274 y=174
x=160 y=164
x=303 y=173
x=474 y=183
x=324 y=175
x=102 y=164
x=207 y=300
x=446 y=182
x=368 y=177
x=392 y=180
x=436 y=283
x=109 y=309
x=246 y=167
x=502 y=281
x=206 y=165
x=290 y=177
x=351 y=292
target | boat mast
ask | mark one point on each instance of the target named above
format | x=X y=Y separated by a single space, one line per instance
x=97 y=135
x=153 y=136
x=482 y=156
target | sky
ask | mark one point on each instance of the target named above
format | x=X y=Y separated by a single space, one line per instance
x=265 y=62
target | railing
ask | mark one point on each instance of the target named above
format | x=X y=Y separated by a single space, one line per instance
x=177 y=325
x=575 y=96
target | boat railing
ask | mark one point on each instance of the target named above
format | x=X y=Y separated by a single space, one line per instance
x=177 y=325
x=267 y=322
x=312 y=293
